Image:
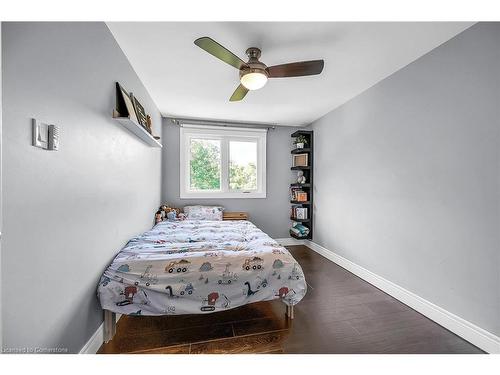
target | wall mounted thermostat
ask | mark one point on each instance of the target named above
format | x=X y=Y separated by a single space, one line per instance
x=53 y=137
x=45 y=136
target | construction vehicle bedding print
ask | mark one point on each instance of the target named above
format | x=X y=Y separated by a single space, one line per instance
x=296 y=272
x=209 y=303
x=166 y=272
x=254 y=263
x=178 y=266
x=147 y=278
x=227 y=276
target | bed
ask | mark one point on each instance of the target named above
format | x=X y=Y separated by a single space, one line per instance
x=198 y=267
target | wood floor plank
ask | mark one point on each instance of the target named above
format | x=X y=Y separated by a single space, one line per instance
x=340 y=313
x=249 y=327
x=387 y=322
x=255 y=344
x=178 y=349
x=167 y=338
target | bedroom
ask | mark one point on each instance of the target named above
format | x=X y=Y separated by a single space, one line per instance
x=250 y=187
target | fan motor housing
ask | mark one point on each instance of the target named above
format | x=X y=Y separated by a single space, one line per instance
x=253 y=64
x=254 y=68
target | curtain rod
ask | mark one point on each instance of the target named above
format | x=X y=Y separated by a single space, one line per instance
x=180 y=121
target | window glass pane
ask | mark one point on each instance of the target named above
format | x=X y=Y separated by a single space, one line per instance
x=205 y=164
x=242 y=165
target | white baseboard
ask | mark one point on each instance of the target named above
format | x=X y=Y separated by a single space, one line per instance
x=97 y=339
x=463 y=328
x=289 y=241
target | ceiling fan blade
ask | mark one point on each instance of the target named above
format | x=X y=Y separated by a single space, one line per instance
x=297 y=69
x=238 y=94
x=222 y=53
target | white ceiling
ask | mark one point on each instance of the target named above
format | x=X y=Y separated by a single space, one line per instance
x=185 y=81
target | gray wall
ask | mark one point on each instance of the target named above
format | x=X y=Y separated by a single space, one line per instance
x=67 y=213
x=1 y=331
x=407 y=177
x=271 y=214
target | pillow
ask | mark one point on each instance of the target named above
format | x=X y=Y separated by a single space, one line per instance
x=203 y=212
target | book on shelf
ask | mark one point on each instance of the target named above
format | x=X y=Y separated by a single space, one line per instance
x=299 y=230
x=297 y=194
x=299 y=212
x=301 y=196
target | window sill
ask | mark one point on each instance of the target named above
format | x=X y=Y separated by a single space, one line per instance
x=222 y=195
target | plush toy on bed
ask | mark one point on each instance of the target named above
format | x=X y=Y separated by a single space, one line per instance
x=168 y=213
x=164 y=209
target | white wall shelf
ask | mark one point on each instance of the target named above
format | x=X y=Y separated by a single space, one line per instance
x=137 y=129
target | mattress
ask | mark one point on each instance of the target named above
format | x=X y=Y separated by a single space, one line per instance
x=196 y=267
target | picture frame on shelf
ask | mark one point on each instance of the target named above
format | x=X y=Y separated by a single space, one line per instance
x=124 y=104
x=300 y=160
x=140 y=112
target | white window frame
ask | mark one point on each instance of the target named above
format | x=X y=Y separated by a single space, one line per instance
x=225 y=135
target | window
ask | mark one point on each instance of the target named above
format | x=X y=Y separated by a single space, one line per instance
x=217 y=162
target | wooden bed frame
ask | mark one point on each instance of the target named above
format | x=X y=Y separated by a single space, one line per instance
x=238 y=215
x=109 y=325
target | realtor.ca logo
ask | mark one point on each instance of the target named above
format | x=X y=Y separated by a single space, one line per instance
x=35 y=350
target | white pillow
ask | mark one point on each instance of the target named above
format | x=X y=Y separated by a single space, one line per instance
x=203 y=212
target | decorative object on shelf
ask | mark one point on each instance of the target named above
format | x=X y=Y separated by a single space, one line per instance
x=149 y=125
x=300 y=141
x=300 y=160
x=124 y=104
x=139 y=112
x=301 y=179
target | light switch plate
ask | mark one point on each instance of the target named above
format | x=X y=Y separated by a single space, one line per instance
x=40 y=134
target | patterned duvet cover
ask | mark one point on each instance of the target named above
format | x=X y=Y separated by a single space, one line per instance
x=193 y=267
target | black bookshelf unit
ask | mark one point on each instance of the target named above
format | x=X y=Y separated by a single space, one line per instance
x=306 y=187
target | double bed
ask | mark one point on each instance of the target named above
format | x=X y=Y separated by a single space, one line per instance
x=198 y=267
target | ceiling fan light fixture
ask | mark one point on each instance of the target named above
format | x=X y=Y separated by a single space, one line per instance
x=254 y=74
x=254 y=80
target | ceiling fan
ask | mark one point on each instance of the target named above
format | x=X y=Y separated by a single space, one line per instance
x=254 y=74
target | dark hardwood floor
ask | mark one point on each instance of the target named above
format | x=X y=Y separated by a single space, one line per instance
x=340 y=314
